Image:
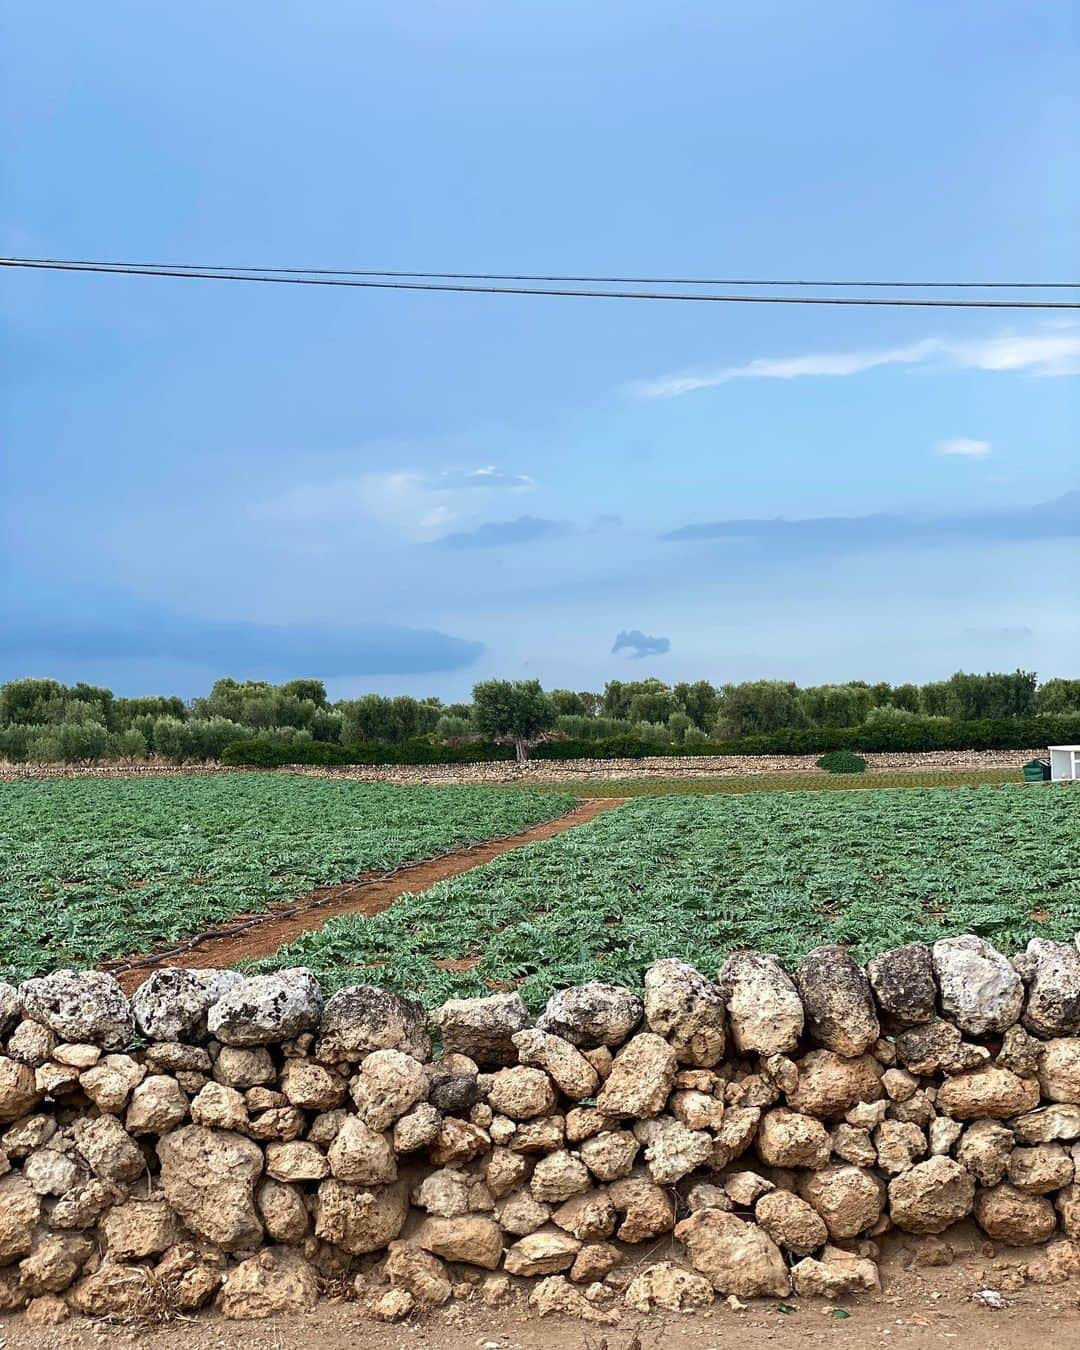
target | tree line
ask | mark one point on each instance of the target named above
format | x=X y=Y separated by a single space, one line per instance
x=43 y=720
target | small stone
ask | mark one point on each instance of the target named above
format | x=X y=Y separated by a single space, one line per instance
x=423 y=1275
x=360 y=1156
x=647 y=1209
x=558 y=1176
x=834 y=1279
x=669 y=1287
x=671 y=1149
x=849 y=1199
x=1041 y=1169
x=393 y=1306
x=984 y=1150
x=545 y=1252
x=522 y=1093
x=789 y=1139
x=158 y=1105
x=573 y=1074
x=898 y=1144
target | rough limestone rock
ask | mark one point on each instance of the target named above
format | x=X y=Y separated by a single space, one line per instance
x=686 y=1009
x=834 y=1279
x=850 y=1199
x=298 y=1160
x=764 y=1009
x=208 y=1177
x=737 y=1130
x=18 y=1089
x=931 y=1196
x=669 y=1287
x=556 y=1296
x=980 y=990
x=984 y=1150
x=641 y=1078
x=360 y=1219
x=282 y=1211
x=31 y=1043
x=990 y=1092
x=840 y=1012
x=110 y=1152
x=557 y=1176
x=85 y=1007
x=610 y=1155
x=267 y=1009
x=472 y=1239
x=1047 y=1124
x=423 y=1275
x=137 y=1229
x=277 y=1280
x=938 y=1047
x=388 y=1084
x=672 y=1150
x=171 y=1005
x=110 y=1083
x=361 y=1018
x=545 y=1252
x=1051 y=971
x=361 y=1156
x=588 y=1216
x=1059 y=1070
x=20 y=1210
x=898 y=1143
x=482 y=1028
x=903 y=984
x=522 y=1093
x=592 y=1014
x=572 y=1073
x=1040 y=1169
x=10 y=1008
x=519 y=1213
x=830 y=1085
x=789 y=1139
x=647 y=1209
x=793 y=1224
x=158 y=1105
x=314 y=1088
x=736 y=1257
x=1009 y=1216
x=444 y=1192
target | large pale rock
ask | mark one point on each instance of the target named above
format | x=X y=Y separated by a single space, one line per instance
x=473 y=1239
x=362 y=1018
x=931 y=1196
x=360 y=1219
x=18 y=1089
x=277 y=1280
x=574 y=1076
x=672 y=1150
x=172 y=1004
x=1059 y=1070
x=1009 y=1216
x=110 y=1083
x=980 y=991
x=20 y=1210
x=241 y=1068
x=589 y=1216
x=389 y=1083
x=790 y=1139
x=830 y=1085
x=313 y=1087
x=990 y=1093
x=139 y=1228
x=1047 y=1124
x=1040 y=1169
x=647 y=1209
x=764 y=1009
x=1051 y=971
x=267 y=1009
x=840 y=1013
x=793 y=1224
x=984 y=1150
x=109 y=1150
x=208 y=1177
x=834 y=1279
x=557 y=1176
x=850 y=1199
x=158 y=1105
x=522 y=1093
x=903 y=983
x=545 y=1252
x=482 y=1028
x=669 y=1287
x=10 y=1008
x=423 y=1275
x=592 y=1014
x=686 y=1009
x=736 y=1257
x=641 y=1077
x=87 y=1006
x=361 y=1156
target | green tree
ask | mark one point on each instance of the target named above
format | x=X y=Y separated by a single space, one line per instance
x=700 y=701
x=515 y=710
x=312 y=691
x=27 y=701
x=567 y=703
x=835 y=705
x=759 y=706
x=1058 y=696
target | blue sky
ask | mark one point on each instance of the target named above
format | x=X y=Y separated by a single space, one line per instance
x=411 y=492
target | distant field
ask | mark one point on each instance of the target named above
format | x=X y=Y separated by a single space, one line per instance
x=695 y=876
x=97 y=868
x=787 y=782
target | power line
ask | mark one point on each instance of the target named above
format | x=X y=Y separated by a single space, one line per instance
x=585 y=280
x=128 y=269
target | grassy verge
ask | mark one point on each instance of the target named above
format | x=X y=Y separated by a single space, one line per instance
x=785 y=782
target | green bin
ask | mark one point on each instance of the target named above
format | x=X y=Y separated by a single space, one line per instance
x=1036 y=771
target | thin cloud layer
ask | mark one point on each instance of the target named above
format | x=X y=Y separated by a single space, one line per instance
x=1051 y=352
x=1057 y=519
x=640 y=644
x=501 y=533
x=964 y=446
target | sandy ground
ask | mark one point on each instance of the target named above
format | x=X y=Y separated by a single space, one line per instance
x=919 y=1307
x=244 y=938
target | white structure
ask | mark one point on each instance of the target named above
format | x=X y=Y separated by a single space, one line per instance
x=1064 y=763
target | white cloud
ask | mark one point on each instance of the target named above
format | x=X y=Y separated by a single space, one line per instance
x=963 y=445
x=418 y=505
x=1055 y=351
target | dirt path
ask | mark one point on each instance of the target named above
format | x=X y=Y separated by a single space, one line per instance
x=246 y=937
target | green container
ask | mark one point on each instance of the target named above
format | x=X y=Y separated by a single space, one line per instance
x=1036 y=771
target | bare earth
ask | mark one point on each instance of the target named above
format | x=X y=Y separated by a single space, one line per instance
x=919 y=1308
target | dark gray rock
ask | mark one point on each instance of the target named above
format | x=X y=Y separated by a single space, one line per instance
x=361 y=1018
x=593 y=1014
x=1051 y=971
x=482 y=1028
x=903 y=984
x=840 y=1012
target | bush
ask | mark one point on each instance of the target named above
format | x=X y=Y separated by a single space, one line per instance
x=842 y=761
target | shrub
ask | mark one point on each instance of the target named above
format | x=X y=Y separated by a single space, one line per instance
x=842 y=761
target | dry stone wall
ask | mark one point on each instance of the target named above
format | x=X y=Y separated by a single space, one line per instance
x=240 y=1142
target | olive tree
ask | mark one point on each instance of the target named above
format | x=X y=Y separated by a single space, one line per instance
x=515 y=710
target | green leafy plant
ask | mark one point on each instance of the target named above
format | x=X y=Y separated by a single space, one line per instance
x=842 y=761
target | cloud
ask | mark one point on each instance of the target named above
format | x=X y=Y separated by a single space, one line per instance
x=418 y=505
x=639 y=644
x=1057 y=519
x=963 y=445
x=252 y=650
x=499 y=533
x=1051 y=352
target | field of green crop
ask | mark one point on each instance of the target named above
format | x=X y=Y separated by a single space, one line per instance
x=95 y=868
x=697 y=876
x=786 y=782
